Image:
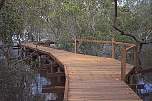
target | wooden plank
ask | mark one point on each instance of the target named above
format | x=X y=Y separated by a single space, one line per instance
x=52 y=89
x=113 y=48
x=94 y=41
x=57 y=74
x=49 y=65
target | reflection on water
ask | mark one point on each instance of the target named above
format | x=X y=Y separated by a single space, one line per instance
x=38 y=83
x=147 y=87
x=144 y=88
x=37 y=86
x=43 y=88
x=146 y=79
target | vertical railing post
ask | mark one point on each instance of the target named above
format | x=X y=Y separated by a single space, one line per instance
x=135 y=56
x=22 y=53
x=123 y=63
x=113 y=48
x=39 y=60
x=75 y=45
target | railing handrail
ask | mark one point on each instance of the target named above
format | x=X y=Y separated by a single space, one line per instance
x=104 y=42
x=124 y=49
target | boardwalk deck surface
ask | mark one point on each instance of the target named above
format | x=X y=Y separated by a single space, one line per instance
x=92 y=78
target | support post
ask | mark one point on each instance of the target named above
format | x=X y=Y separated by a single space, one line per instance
x=26 y=52
x=113 y=48
x=22 y=53
x=123 y=63
x=135 y=56
x=58 y=78
x=39 y=61
x=75 y=45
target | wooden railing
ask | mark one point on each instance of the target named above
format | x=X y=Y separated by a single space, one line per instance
x=125 y=48
x=124 y=52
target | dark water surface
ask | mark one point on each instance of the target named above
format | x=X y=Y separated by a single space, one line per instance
x=43 y=87
x=145 y=79
x=37 y=87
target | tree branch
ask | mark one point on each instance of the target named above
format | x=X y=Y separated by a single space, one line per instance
x=115 y=18
x=126 y=34
x=116 y=28
x=122 y=32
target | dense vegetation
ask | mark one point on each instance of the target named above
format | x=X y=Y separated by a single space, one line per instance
x=75 y=18
x=62 y=20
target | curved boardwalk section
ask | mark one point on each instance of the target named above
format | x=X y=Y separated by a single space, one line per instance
x=91 y=78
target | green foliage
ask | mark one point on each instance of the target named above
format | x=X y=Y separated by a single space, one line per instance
x=97 y=36
x=11 y=21
x=71 y=7
x=86 y=18
x=135 y=18
x=65 y=42
x=123 y=38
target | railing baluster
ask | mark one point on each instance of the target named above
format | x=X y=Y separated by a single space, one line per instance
x=123 y=62
x=135 y=56
x=75 y=45
x=113 y=48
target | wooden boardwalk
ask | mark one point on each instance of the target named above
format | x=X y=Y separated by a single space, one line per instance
x=91 y=78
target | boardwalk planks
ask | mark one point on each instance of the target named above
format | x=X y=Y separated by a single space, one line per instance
x=91 y=78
